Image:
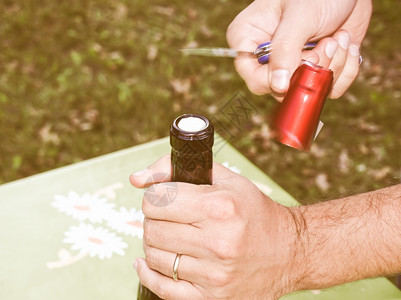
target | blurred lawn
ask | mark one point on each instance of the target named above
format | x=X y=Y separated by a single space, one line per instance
x=83 y=78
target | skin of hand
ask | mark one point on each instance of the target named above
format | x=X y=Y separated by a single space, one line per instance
x=338 y=25
x=236 y=243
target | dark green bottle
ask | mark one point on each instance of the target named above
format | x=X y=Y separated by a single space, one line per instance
x=191 y=140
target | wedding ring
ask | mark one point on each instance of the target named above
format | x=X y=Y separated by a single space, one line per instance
x=175 y=267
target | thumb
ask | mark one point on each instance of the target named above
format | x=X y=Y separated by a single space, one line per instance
x=158 y=172
x=290 y=36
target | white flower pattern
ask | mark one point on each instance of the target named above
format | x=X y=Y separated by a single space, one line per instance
x=86 y=207
x=93 y=241
x=97 y=241
x=129 y=222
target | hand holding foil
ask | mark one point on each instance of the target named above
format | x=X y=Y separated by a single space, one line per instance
x=339 y=26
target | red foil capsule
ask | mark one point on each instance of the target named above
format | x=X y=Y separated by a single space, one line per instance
x=297 y=118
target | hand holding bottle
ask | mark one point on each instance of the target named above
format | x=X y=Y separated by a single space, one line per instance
x=235 y=242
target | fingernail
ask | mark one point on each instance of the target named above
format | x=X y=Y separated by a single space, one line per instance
x=280 y=79
x=331 y=48
x=311 y=58
x=136 y=265
x=343 y=40
x=140 y=173
x=354 y=50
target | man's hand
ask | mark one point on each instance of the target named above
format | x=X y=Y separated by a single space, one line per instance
x=340 y=25
x=235 y=242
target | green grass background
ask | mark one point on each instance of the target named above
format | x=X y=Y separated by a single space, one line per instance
x=82 y=78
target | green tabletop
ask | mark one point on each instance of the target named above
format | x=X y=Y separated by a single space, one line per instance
x=73 y=232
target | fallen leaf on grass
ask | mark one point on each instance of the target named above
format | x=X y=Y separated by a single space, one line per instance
x=344 y=162
x=368 y=127
x=152 y=52
x=47 y=136
x=318 y=151
x=192 y=13
x=167 y=11
x=380 y=173
x=192 y=44
x=120 y=12
x=84 y=120
x=206 y=31
x=181 y=86
x=322 y=182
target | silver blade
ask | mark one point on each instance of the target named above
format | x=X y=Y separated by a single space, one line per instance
x=217 y=52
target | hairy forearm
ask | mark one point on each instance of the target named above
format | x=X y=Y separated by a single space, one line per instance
x=349 y=239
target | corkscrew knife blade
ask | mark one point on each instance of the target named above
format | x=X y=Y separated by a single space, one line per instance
x=216 y=52
x=262 y=52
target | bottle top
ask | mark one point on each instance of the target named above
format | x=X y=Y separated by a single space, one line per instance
x=191 y=124
x=193 y=128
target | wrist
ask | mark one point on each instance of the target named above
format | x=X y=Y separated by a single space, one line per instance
x=298 y=269
x=316 y=249
x=314 y=264
x=293 y=263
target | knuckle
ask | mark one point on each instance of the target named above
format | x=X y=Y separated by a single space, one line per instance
x=220 y=293
x=146 y=204
x=220 y=279
x=350 y=74
x=284 y=43
x=220 y=207
x=337 y=68
x=150 y=257
x=148 y=232
x=226 y=249
x=257 y=86
x=229 y=246
x=159 y=290
x=220 y=284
